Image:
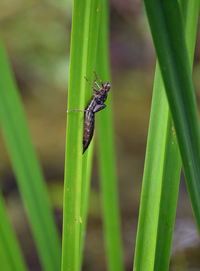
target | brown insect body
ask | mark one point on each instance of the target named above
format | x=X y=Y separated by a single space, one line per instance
x=96 y=104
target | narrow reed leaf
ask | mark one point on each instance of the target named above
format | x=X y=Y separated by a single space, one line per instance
x=107 y=163
x=10 y=254
x=84 y=35
x=86 y=178
x=160 y=182
x=28 y=172
x=162 y=171
x=168 y=36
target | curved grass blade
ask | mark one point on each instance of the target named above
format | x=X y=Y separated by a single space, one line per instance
x=29 y=176
x=85 y=23
x=160 y=183
x=162 y=171
x=168 y=36
x=107 y=164
x=10 y=254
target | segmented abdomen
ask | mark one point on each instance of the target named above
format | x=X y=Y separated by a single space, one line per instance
x=88 y=129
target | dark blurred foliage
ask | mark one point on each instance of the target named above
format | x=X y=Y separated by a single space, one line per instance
x=37 y=38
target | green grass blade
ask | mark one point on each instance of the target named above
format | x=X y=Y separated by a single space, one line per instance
x=107 y=163
x=162 y=172
x=29 y=176
x=86 y=178
x=168 y=35
x=10 y=254
x=160 y=183
x=85 y=25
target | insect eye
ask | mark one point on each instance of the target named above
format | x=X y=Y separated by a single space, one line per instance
x=108 y=86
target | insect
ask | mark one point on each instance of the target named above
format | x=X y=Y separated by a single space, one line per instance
x=96 y=104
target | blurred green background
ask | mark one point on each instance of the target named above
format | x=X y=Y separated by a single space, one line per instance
x=36 y=35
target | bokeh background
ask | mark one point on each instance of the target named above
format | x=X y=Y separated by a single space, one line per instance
x=36 y=34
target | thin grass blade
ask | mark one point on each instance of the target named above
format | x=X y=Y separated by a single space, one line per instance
x=86 y=177
x=107 y=163
x=168 y=36
x=11 y=257
x=85 y=26
x=28 y=172
x=162 y=170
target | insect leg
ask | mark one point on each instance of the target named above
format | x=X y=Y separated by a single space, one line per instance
x=97 y=78
x=93 y=87
x=95 y=82
x=68 y=111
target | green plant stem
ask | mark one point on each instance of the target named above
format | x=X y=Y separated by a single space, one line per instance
x=85 y=24
x=87 y=166
x=107 y=164
x=162 y=171
x=10 y=253
x=160 y=183
x=168 y=36
x=27 y=170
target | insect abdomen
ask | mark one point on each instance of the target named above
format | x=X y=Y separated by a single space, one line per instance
x=88 y=129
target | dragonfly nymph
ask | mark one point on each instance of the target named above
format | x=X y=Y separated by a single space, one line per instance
x=96 y=104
